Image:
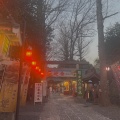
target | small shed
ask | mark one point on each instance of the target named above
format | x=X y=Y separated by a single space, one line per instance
x=90 y=80
x=92 y=77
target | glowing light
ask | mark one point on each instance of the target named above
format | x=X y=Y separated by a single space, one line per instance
x=29 y=53
x=37 y=68
x=34 y=63
x=42 y=73
x=107 y=68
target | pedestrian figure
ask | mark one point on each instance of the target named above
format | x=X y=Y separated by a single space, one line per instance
x=86 y=94
x=48 y=92
x=95 y=96
x=50 y=89
x=99 y=94
x=91 y=95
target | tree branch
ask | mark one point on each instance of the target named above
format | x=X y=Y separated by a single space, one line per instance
x=110 y=15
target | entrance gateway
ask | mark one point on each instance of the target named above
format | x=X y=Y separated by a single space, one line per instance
x=64 y=78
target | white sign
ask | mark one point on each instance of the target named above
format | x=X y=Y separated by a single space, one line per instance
x=38 y=92
x=44 y=88
x=61 y=72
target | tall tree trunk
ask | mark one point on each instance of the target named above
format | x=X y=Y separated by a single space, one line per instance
x=42 y=32
x=105 y=100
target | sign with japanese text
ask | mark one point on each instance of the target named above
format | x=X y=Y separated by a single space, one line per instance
x=57 y=72
x=9 y=86
x=9 y=75
x=24 y=84
x=79 y=82
x=38 y=92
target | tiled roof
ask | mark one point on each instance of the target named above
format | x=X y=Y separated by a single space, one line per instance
x=93 y=76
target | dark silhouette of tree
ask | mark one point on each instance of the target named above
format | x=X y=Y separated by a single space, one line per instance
x=105 y=100
x=39 y=16
x=112 y=43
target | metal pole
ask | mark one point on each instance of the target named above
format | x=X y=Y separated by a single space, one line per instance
x=20 y=74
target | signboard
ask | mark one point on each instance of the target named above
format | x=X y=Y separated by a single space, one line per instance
x=9 y=85
x=2 y=69
x=79 y=82
x=9 y=75
x=38 y=92
x=24 y=85
x=5 y=46
x=58 y=72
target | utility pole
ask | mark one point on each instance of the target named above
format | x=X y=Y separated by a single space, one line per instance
x=20 y=73
x=105 y=100
x=42 y=32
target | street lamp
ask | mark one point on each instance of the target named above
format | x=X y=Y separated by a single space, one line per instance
x=107 y=68
x=108 y=75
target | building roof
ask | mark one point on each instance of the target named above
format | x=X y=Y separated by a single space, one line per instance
x=92 y=77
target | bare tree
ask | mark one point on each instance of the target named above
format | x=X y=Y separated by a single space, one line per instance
x=83 y=42
x=53 y=53
x=52 y=10
x=64 y=44
x=82 y=48
x=60 y=47
x=74 y=30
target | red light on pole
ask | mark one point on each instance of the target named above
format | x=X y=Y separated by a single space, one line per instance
x=37 y=68
x=42 y=73
x=29 y=53
x=34 y=63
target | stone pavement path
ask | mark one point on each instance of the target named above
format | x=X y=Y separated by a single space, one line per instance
x=60 y=107
x=30 y=112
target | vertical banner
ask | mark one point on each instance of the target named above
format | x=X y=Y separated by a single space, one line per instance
x=44 y=88
x=79 y=82
x=2 y=70
x=38 y=92
x=9 y=85
x=24 y=84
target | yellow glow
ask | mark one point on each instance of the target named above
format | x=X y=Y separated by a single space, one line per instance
x=33 y=63
x=74 y=82
x=66 y=84
x=28 y=53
